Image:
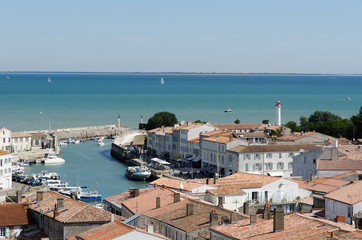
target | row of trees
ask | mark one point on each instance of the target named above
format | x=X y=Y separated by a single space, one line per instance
x=330 y=124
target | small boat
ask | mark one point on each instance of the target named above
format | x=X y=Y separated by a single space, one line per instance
x=348 y=98
x=77 y=141
x=7 y=77
x=100 y=143
x=228 y=110
x=92 y=195
x=63 y=143
x=52 y=159
x=138 y=173
x=49 y=80
x=162 y=81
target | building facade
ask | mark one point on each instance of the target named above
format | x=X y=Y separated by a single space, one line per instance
x=5 y=170
x=5 y=139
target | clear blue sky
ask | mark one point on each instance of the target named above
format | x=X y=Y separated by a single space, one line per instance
x=188 y=36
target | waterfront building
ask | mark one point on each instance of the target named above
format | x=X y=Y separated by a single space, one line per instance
x=214 y=146
x=5 y=169
x=255 y=138
x=61 y=217
x=5 y=139
x=156 y=139
x=326 y=161
x=21 y=141
x=274 y=160
x=293 y=226
x=242 y=128
x=304 y=138
x=38 y=140
x=345 y=201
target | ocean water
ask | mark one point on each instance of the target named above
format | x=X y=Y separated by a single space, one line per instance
x=29 y=102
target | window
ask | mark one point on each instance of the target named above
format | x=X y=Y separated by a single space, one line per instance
x=280 y=155
x=290 y=165
x=291 y=154
x=247 y=157
x=230 y=158
x=174 y=138
x=257 y=156
x=269 y=166
x=222 y=159
x=269 y=155
x=174 y=146
x=305 y=160
x=280 y=166
x=4 y=140
x=254 y=195
x=257 y=166
x=246 y=167
x=2 y=232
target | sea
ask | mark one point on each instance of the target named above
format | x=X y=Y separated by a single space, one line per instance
x=28 y=101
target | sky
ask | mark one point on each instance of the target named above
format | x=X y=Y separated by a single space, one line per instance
x=182 y=36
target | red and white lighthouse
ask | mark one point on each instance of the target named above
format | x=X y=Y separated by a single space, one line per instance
x=278 y=119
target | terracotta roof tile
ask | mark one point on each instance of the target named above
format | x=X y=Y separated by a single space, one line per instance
x=220 y=139
x=14 y=214
x=20 y=134
x=352 y=151
x=318 y=185
x=350 y=194
x=73 y=211
x=273 y=148
x=342 y=165
x=4 y=152
x=252 y=126
x=173 y=183
x=295 y=227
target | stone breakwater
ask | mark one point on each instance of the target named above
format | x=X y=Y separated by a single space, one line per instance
x=86 y=132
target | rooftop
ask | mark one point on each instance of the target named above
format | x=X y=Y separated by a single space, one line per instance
x=273 y=148
x=296 y=227
x=252 y=126
x=20 y=134
x=339 y=165
x=174 y=183
x=160 y=130
x=299 y=135
x=4 y=152
x=353 y=152
x=73 y=211
x=349 y=194
x=324 y=185
x=14 y=214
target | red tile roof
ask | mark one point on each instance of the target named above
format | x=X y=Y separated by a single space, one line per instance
x=350 y=194
x=3 y=152
x=252 y=126
x=273 y=148
x=296 y=227
x=320 y=186
x=14 y=214
x=340 y=165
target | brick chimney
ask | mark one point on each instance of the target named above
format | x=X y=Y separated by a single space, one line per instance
x=221 y=202
x=56 y=212
x=39 y=196
x=253 y=219
x=341 y=218
x=136 y=192
x=312 y=177
x=176 y=197
x=278 y=222
x=189 y=209
x=214 y=221
x=19 y=196
x=158 y=202
x=266 y=213
x=246 y=208
x=60 y=203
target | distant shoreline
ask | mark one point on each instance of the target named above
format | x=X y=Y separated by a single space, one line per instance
x=181 y=73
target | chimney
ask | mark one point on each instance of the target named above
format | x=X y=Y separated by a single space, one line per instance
x=215 y=179
x=158 y=202
x=221 y=202
x=163 y=129
x=56 y=212
x=207 y=181
x=176 y=197
x=214 y=218
x=60 y=203
x=19 y=196
x=253 y=219
x=301 y=133
x=136 y=192
x=189 y=209
x=312 y=177
x=278 y=222
x=112 y=217
x=266 y=213
x=246 y=208
x=39 y=196
x=341 y=218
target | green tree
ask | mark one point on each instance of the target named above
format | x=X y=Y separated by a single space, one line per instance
x=357 y=124
x=266 y=121
x=161 y=119
x=199 y=121
x=323 y=116
x=303 y=121
x=237 y=121
x=293 y=126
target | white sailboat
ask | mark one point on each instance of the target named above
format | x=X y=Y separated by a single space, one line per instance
x=49 y=80
x=7 y=77
x=162 y=81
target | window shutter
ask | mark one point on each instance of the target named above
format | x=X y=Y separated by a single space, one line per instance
x=6 y=232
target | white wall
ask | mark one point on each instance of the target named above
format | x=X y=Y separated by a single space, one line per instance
x=5 y=139
x=5 y=171
x=334 y=208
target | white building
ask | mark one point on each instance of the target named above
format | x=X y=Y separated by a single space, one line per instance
x=256 y=189
x=157 y=139
x=5 y=170
x=346 y=201
x=21 y=141
x=5 y=139
x=274 y=160
x=214 y=153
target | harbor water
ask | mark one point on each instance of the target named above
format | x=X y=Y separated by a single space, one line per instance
x=88 y=164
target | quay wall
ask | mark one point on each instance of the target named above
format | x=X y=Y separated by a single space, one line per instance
x=86 y=132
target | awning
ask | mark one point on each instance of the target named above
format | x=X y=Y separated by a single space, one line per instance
x=196 y=159
x=276 y=174
x=160 y=161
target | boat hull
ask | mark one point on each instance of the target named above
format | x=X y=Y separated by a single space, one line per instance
x=137 y=176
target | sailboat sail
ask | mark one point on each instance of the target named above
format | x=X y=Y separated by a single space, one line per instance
x=162 y=81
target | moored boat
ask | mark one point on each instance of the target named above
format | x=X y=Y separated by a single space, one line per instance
x=92 y=195
x=138 y=173
x=52 y=159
